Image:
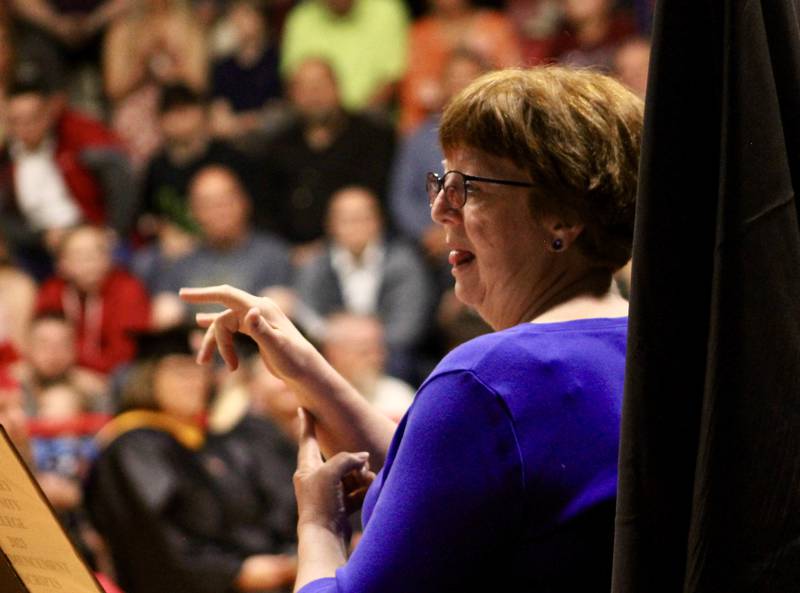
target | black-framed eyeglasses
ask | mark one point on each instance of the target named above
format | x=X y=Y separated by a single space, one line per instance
x=455 y=185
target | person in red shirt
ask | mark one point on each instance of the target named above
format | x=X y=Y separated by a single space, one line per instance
x=104 y=302
x=60 y=169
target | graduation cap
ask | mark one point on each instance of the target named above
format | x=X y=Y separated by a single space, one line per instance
x=184 y=339
x=155 y=345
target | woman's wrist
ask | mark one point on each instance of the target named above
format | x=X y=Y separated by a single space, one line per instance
x=320 y=551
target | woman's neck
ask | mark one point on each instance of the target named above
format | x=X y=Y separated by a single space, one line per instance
x=571 y=296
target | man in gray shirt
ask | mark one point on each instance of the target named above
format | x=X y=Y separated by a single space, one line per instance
x=230 y=252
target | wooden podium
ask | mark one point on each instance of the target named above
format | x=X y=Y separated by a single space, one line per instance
x=36 y=556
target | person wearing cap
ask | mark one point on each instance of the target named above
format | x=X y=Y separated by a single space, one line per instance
x=152 y=496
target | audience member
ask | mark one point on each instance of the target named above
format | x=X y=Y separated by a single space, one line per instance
x=7 y=65
x=631 y=63
x=155 y=498
x=65 y=450
x=418 y=153
x=591 y=31
x=172 y=242
x=355 y=346
x=323 y=150
x=63 y=492
x=230 y=250
x=188 y=147
x=246 y=83
x=364 y=272
x=260 y=459
x=158 y=43
x=451 y=25
x=51 y=357
x=17 y=297
x=103 y=302
x=60 y=169
x=536 y=22
x=67 y=36
x=363 y=40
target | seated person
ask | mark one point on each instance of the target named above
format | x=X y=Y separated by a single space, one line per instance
x=419 y=153
x=61 y=169
x=154 y=498
x=68 y=36
x=188 y=147
x=57 y=480
x=17 y=297
x=355 y=347
x=230 y=251
x=590 y=32
x=451 y=25
x=363 y=40
x=362 y=271
x=51 y=357
x=63 y=447
x=324 y=149
x=246 y=83
x=159 y=43
x=102 y=301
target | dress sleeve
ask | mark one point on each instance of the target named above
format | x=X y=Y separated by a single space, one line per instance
x=451 y=498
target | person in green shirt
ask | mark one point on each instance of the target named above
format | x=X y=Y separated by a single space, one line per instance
x=364 y=40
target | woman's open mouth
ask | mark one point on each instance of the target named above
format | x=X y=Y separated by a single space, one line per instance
x=459 y=257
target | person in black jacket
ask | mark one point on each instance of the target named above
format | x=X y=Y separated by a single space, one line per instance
x=154 y=493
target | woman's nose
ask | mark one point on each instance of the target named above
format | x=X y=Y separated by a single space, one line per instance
x=442 y=213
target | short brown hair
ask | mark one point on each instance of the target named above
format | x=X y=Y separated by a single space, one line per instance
x=577 y=132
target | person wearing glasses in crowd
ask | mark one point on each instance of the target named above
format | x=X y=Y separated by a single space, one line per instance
x=502 y=474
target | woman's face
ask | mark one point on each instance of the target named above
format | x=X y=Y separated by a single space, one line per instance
x=497 y=249
x=181 y=386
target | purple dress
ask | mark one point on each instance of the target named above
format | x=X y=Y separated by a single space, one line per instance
x=502 y=475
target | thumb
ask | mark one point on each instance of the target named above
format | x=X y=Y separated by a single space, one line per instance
x=343 y=463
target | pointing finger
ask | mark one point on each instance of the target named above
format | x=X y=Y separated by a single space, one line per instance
x=230 y=297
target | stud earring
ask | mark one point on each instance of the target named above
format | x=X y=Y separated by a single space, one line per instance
x=557 y=244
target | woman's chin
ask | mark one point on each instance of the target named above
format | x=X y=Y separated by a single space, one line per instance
x=465 y=292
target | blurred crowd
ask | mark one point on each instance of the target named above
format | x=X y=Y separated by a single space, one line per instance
x=279 y=146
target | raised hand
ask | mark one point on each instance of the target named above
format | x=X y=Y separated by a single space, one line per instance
x=346 y=421
x=284 y=350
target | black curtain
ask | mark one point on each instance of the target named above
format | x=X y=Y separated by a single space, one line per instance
x=709 y=491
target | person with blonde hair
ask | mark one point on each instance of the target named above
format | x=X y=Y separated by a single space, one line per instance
x=502 y=475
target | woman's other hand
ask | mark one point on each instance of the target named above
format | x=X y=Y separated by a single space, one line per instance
x=284 y=350
x=327 y=491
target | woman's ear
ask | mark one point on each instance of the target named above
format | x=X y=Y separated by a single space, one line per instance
x=561 y=234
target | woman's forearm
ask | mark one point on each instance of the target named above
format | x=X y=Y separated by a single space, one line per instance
x=345 y=421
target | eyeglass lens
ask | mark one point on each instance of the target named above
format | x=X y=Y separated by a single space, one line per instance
x=454 y=190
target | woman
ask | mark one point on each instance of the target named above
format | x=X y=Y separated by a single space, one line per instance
x=502 y=475
x=158 y=500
